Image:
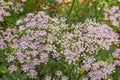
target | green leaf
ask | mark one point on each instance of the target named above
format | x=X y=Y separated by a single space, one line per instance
x=51 y=1
x=110 y=51
x=18 y=0
x=28 y=5
x=1 y=79
x=6 y=77
x=24 y=76
x=3 y=69
x=119 y=78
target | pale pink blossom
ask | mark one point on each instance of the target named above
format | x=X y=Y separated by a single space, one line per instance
x=59 y=73
x=64 y=78
x=32 y=74
x=12 y=68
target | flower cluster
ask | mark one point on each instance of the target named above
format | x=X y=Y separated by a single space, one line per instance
x=40 y=38
x=98 y=70
x=101 y=70
x=12 y=68
x=5 y=35
x=34 y=40
x=116 y=55
x=113 y=15
x=59 y=75
x=87 y=62
x=7 y=6
x=88 y=37
x=3 y=10
x=17 y=6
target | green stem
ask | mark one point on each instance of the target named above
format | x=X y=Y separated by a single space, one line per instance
x=97 y=16
x=70 y=9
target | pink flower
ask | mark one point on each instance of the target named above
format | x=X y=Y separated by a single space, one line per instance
x=34 y=53
x=35 y=62
x=32 y=74
x=12 y=68
x=113 y=15
x=64 y=78
x=41 y=33
x=112 y=18
x=1 y=19
x=18 y=22
x=117 y=62
x=25 y=68
x=116 y=53
x=10 y=58
x=59 y=73
x=69 y=35
x=48 y=78
x=101 y=71
x=114 y=9
x=21 y=28
x=56 y=55
x=115 y=23
x=44 y=57
x=2 y=44
x=85 y=79
x=86 y=67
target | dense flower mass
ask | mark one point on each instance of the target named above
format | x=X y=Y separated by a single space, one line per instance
x=7 y=6
x=34 y=40
x=39 y=37
x=89 y=37
x=100 y=70
x=97 y=69
x=59 y=40
x=113 y=15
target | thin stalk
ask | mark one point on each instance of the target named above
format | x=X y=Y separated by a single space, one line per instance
x=97 y=16
x=70 y=9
